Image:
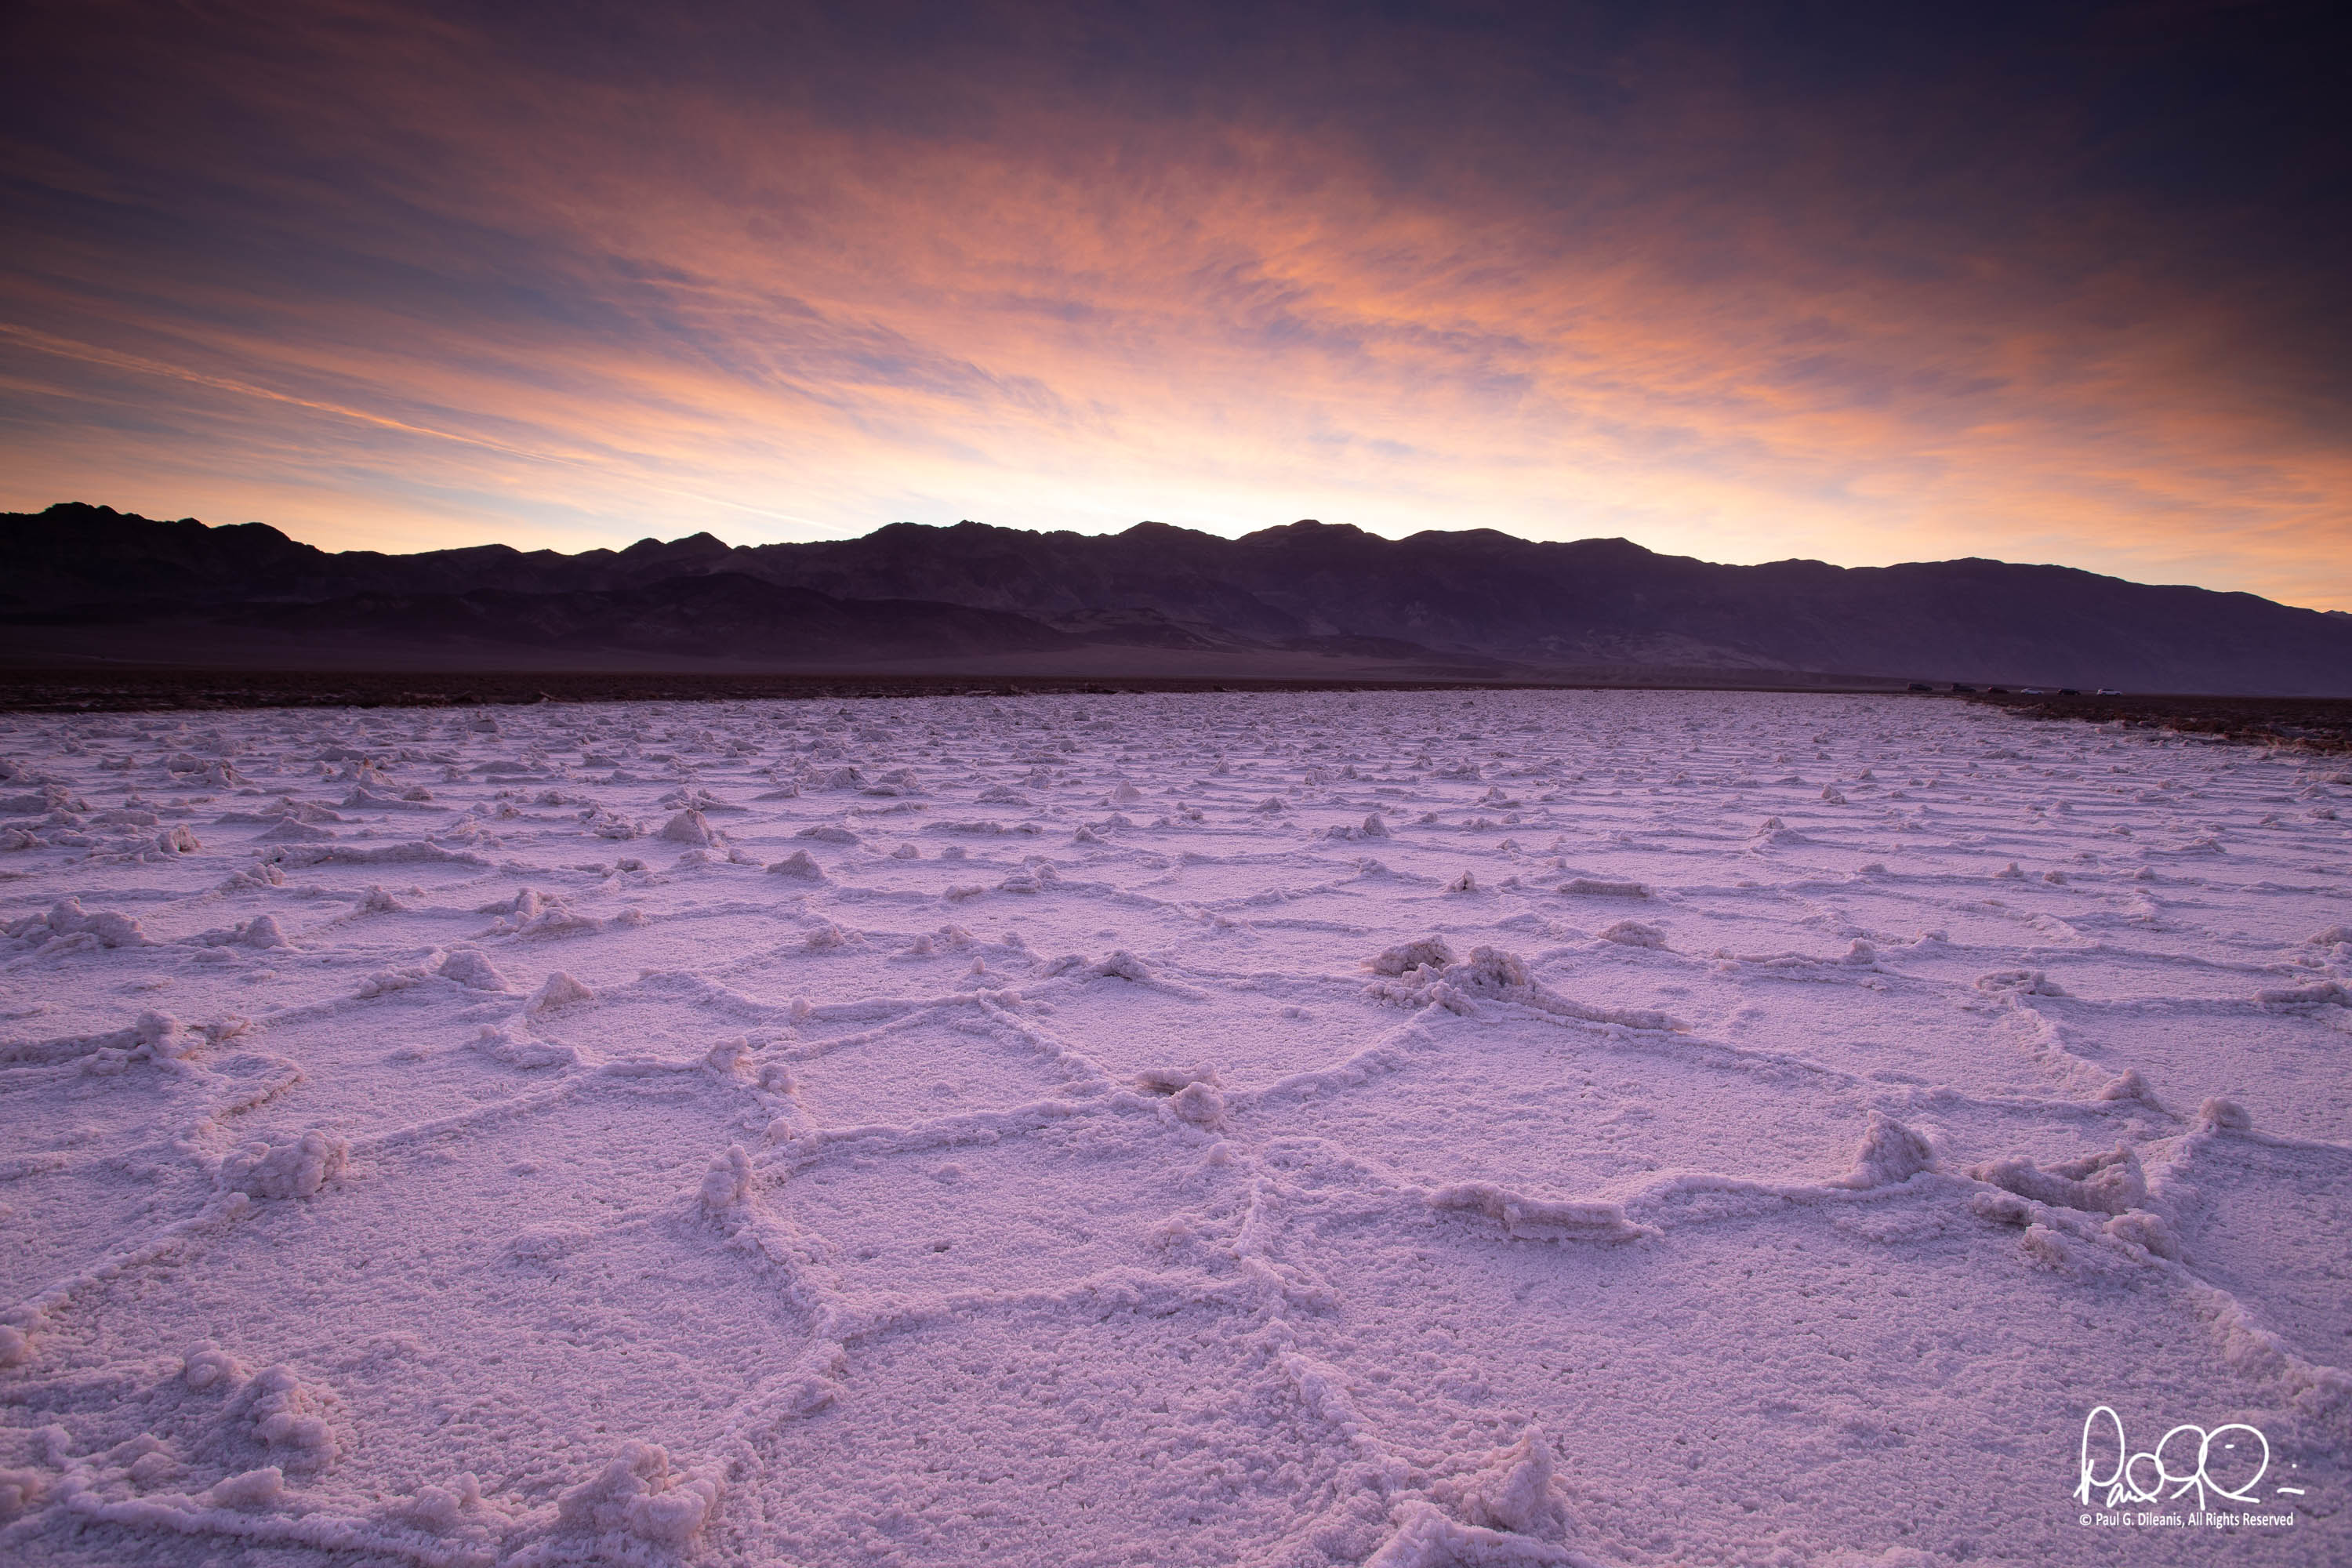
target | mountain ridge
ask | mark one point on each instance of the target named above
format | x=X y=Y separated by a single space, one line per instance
x=1303 y=589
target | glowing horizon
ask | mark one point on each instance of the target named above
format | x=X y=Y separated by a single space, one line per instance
x=405 y=280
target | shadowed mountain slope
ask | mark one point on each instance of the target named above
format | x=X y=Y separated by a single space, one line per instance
x=1305 y=588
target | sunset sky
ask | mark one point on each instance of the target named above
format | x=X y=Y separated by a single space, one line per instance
x=1743 y=281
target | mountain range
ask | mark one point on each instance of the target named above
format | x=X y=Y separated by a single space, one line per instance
x=86 y=583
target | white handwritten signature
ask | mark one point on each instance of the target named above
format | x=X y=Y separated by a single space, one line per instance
x=2142 y=1477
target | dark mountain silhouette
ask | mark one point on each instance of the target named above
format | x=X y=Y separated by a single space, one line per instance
x=1458 y=602
x=722 y=615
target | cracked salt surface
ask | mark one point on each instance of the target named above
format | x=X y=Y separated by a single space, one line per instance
x=1401 y=1129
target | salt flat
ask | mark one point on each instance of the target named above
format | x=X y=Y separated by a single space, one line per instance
x=1406 y=1129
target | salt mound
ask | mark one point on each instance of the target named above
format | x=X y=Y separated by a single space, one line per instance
x=1890 y=1153
x=206 y=1365
x=1491 y=975
x=2142 y=1228
x=162 y=1037
x=1516 y=1489
x=290 y=1417
x=2219 y=1115
x=798 y=864
x=154 y=1036
x=295 y=1170
x=1490 y=971
x=67 y=918
x=728 y=1181
x=261 y=930
x=1120 y=965
x=688 y=826
x=1036 y=877
x=1429 y=952
x=2097 y=1184
x=54 y=797
x=559 y=990
x=828 y=936
x=470 y=968
x=1201 y=1104
x=634 y=1501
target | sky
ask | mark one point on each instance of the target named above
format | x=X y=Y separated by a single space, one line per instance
x=1860 y=283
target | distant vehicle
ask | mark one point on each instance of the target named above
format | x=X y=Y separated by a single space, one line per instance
x=1997 y=690
x=1921 y=686
x=2108 y=692
x=1957 y=687
x=2068 y=691
x=2031 y=691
